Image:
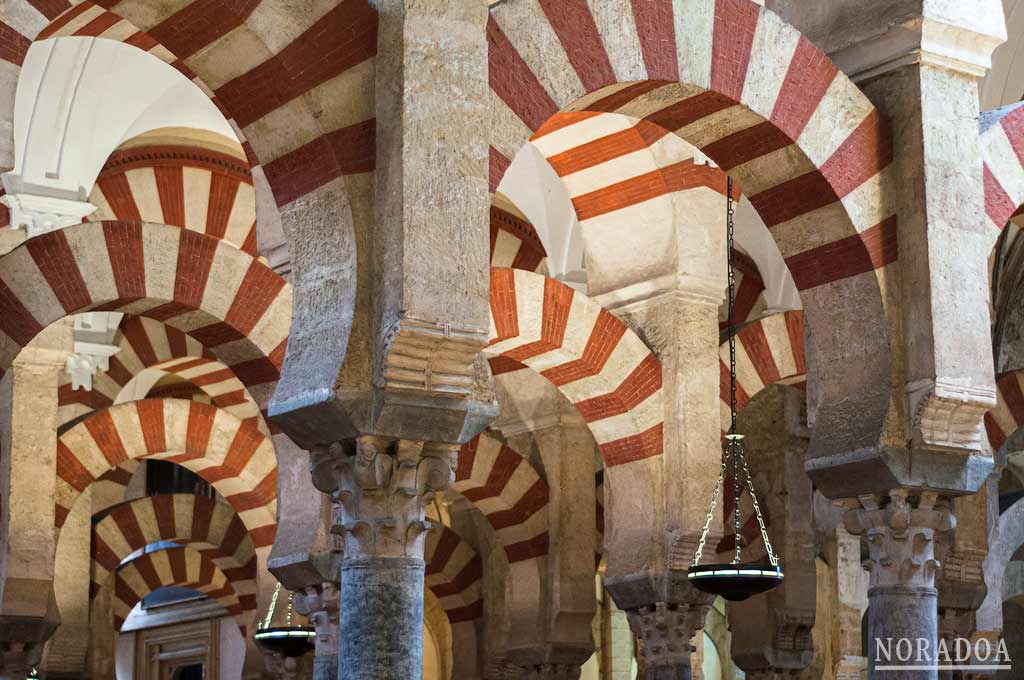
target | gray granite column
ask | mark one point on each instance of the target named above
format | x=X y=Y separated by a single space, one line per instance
x=382 y=486
x=381 y=618
x=902 y=599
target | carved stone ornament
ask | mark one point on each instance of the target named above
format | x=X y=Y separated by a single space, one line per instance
x=320 y=605
x=663 y=632
x=383 y=488
x=900 y=534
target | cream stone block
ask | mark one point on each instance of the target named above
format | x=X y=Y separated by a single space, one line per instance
x=221 y=291
x=196 y=184
x=537 y=43
x=114 y=538
x=640 y=418
x=813 y=229
x=617 y=28
x=160 y=256
x=273 y=327
x=628 y=354
x=839 y=113
x=578 y=134
x=283 y=130
x=346 y=99
x=582 y=317
x=235 y=53
x=770 y=57
x=873 y=201
x=506 y=247
x=777 y=332
x=746 y=374
x=507 y=132
x=281 y=25
x=30 y=286
x=119 y=32
x=610 y=173
x=103 y=210
x=719 y=125
x=695 y=26
x=79 y=22
x=243 y=215
x=93 y=262
x=530 y=315
x=772 y=169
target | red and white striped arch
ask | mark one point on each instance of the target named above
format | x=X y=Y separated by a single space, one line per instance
x=262 y=73
x=235 y=457
x=768 y=351
x=600 y=365
x=183 y=567
x=514 y=241
x=731 y=78
x=185 y=186
x=1008 y=414
x=209 y=527
x=1002 y=147
x=227 y=300
x=150 y=347
x=453 y=574
x=750 y=296
x=509 y=493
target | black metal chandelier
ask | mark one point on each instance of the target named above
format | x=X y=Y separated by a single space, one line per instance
x=287 y=640
x=734 y=580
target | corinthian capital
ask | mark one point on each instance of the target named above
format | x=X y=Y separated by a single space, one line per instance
x=900 y=531
x=383 y=487
x=663 y=632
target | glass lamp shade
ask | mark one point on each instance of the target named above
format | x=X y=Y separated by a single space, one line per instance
x=291 y=641
x=735 y=581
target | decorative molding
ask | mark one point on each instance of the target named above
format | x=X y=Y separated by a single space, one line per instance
x=320 y=605
x=949 y=415
x=900 y=534
x=94 y=345
x=39 y=215
x=383 y=490
x=430 y=357
x=173 y=155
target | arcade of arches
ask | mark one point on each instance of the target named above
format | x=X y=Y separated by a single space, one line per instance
x=405 y=320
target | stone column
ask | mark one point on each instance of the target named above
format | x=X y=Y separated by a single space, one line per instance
x=28 y=421
x=320 y=606
x=383 y=487
x=663 y=634
x=900 y=534
x=850 y=597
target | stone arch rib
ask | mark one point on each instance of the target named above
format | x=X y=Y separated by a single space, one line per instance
x=1002 y=148
x=175 y=567
x=601 y=366
x=225 y=299
x=210 y=527
x=509 y=493
x=235 y=457
x=453 y=574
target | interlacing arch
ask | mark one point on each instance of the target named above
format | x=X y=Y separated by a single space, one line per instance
x=453 y=574
x=603 y=368
x=227 y=300
x=183 y=567
x=234 y=457
x=210 y=527
x=508 y=491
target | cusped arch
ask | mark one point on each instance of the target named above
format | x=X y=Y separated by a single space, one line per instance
x=510 y=494
x=224 y=298
x=233 y=456
x=603 y=368
x=209 y=527
x=183 y=567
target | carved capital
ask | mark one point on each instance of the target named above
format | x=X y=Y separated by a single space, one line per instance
x=41 y=214
x=900 y=532
x=17 y=659
x=320 y=605
x=948 y=415
x=382 y=487
x=793 y=629
x=663 y=632
x=282 y=667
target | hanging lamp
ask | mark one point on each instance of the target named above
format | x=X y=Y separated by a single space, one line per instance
x=287 y=640
x=734 y=580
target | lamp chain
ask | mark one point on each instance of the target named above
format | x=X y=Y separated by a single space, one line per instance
x=733 y=450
